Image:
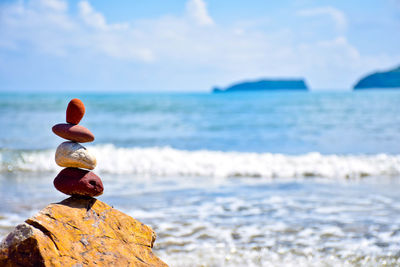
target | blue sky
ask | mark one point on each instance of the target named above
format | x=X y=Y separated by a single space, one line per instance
x=192 y=45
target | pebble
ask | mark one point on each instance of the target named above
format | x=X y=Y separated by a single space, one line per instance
x=71 y=154
x=75 y=111
x=76 y=133
x=74 y=181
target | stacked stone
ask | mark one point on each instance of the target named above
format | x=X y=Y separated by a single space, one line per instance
x=76 y=178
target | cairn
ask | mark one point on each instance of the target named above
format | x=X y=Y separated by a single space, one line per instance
x=76 y=179
x=80 y=230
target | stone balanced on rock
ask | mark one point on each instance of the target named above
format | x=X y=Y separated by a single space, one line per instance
x=80 y=230
x=76 y=179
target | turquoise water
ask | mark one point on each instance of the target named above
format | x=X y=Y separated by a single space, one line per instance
x=276 y=122
x=262 y=179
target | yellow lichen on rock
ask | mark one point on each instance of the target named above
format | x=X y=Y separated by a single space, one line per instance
x=80 y=232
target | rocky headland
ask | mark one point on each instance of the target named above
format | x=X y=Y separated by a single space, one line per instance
x=265 y=85
x=380 y=80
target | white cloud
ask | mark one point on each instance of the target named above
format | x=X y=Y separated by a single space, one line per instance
x=197 y=10
x=96 y=19
x=170 y=50
x=57 y=5
x=338 y=17
x=91 y=17
x=35 y=25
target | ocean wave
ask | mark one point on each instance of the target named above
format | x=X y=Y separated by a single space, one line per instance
x=166 y=161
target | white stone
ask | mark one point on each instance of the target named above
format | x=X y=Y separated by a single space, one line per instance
x=71 y=154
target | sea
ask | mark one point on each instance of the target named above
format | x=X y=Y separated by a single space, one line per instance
x=228 y=179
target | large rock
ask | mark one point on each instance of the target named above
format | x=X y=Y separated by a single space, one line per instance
x=80 y=232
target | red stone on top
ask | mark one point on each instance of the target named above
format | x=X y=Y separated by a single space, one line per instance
x=73 y=132
x=74 y=181
x=75 y=111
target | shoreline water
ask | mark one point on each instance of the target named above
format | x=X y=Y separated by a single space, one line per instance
x=240 y=179
x=166 y=161
x=236 y=221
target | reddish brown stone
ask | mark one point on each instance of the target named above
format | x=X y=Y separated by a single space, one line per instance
x=74 y=181
x=75 y=111
x=76 y=133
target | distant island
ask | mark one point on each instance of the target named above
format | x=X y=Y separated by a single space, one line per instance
x=386 y=79
x=266 y=85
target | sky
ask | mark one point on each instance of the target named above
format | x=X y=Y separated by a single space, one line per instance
x=192 y=45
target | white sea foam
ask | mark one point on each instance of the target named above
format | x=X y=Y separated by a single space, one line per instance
x=167 y=161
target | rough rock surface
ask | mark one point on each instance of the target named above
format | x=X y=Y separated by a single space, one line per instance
x=80 y=232
x=76 y=133
x=71 y=154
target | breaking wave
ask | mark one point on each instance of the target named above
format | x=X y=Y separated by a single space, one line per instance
x=166 y=161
